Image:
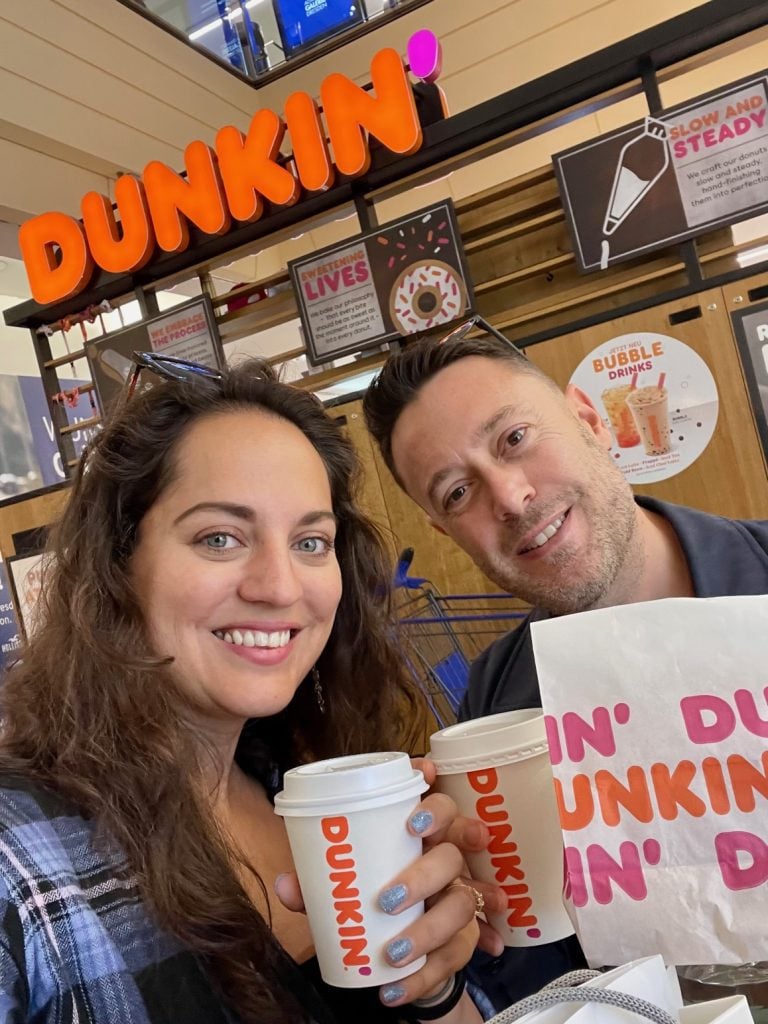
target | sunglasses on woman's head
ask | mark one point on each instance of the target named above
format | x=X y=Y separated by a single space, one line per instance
x=167 y=367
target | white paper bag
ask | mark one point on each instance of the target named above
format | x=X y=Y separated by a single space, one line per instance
x=646 y=979
x=657 y=719
x=642 y=984
x=731 y=1010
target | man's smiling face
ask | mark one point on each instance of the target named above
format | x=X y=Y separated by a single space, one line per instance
x=519 y=476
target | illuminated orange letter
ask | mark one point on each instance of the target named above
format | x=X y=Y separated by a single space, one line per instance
x=53 y=275
x=250 y=170
x=119 y=250
x=200 y=198
x=310 y=150
x=390 y=115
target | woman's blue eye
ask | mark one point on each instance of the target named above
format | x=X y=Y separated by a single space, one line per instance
x=313 y=545
x=218 y=541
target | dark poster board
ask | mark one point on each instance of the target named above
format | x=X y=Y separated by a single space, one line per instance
x=404 y=277
x=667 y=178
x=188 y=331
x=751 y=329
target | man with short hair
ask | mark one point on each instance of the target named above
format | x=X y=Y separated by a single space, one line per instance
x=518 y=474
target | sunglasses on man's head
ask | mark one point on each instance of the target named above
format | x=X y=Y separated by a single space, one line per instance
x=460 y=332
x=167 y=367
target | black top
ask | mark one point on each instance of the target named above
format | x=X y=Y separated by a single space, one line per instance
x=726 y=558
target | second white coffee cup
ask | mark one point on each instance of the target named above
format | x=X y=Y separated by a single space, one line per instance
x=347 y=825
x=497 y=769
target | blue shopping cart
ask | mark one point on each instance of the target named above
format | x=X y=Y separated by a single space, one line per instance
x=440 y=635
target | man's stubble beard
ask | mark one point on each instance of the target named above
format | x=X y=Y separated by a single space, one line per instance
x=609 y=507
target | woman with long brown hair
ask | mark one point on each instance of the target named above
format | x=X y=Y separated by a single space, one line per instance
x=214 y=613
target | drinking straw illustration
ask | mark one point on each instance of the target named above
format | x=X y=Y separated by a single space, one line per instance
x=662 y=378
x=641 y=163
x=633 y=385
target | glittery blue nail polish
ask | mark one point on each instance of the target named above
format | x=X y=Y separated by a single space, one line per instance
x=398 y=949
x=421 y=821
x=391 y=993
x=391 y=899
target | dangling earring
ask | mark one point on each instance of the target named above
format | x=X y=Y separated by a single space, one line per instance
x=318 y=688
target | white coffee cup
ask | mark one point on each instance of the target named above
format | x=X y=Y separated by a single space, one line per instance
x=497 y=769
x=347 y=825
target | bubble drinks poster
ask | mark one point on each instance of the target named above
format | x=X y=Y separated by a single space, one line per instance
x=657 y=397
x=669 y=177
x=401 y=278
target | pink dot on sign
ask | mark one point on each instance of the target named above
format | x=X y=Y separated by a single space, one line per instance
x=365 y=970
x=621 y=713
x=533 y=933
x=652 y=851
x=425 y=55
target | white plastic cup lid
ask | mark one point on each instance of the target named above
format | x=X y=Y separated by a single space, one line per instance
x=348 y=783
x=489 y=742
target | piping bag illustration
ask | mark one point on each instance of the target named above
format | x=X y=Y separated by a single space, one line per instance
x=642 y=161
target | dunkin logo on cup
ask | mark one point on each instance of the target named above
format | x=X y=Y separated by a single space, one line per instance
x=346 y=896
x=503 y=851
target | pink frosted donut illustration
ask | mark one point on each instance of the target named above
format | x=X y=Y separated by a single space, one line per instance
x=425 y=294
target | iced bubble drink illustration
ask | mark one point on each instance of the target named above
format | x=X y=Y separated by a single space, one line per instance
x=622 y=423
x=346 y=820
x=650 y=409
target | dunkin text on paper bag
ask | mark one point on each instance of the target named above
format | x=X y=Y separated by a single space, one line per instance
x=662 y=791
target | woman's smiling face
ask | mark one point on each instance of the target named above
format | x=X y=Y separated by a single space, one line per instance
x=235 y=567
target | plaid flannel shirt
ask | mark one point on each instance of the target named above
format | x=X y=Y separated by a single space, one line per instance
x=76 y=943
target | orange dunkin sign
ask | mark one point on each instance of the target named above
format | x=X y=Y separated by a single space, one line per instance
x=232 y=179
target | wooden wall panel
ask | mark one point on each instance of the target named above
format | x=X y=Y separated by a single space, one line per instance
x=729 y=477
x=371 y=496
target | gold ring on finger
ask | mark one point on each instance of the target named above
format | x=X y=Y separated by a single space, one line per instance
x=477 y=897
